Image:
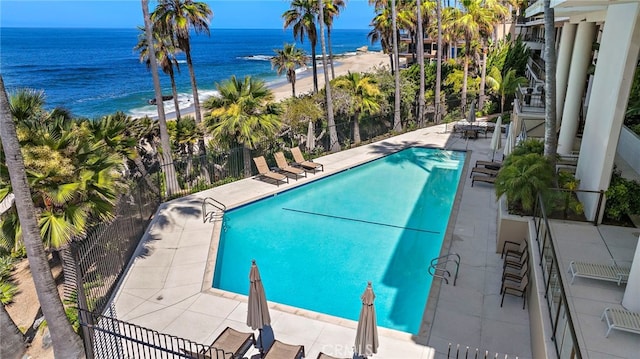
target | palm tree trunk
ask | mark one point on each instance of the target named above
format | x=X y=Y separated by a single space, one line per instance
x=420 y=50
x=334 y=145
x=315 y=67
x=174 y=92
x=333 y=73
x=169 y=169
x=194 y=86
x=438 y=63
x=465 y=74
x=66 y=343
x=550 y=137
x=356 y=129
x=397 y=122
x=12 y=341
x=483 y=75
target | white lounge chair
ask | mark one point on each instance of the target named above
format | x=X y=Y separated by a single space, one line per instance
x=621 y=319
x=611 y=273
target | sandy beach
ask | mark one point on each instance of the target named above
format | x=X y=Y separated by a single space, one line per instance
x=359 y=62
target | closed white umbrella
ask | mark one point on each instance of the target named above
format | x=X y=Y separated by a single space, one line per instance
x=367 y=333
x=508 y=143
x=258 y=311
x=496 y=139
x=311 y=137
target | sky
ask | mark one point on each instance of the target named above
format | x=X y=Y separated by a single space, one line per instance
x=237 y=14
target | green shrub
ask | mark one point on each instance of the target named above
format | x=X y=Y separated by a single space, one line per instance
x=6 y=267
x=522 y=178
x=623 y=197
x=7 y=292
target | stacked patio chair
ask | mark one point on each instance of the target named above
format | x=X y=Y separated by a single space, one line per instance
x=485 y=171
x=515 y=270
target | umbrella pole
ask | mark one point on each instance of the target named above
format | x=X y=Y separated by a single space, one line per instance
x=261 y=341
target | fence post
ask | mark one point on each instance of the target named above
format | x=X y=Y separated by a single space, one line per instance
x=86 y=321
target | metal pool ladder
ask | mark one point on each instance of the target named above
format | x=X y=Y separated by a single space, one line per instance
x=212 y=210
x=438 y=267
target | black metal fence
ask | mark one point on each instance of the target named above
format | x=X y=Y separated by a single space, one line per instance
x=113 y=338
x=458 y=352
x=564 y=335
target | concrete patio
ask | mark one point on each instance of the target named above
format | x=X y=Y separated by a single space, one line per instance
x=168 y=286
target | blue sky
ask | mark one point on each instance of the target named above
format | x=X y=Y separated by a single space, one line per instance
x=243 y=14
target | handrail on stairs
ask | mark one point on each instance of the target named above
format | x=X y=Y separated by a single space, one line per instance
x=208 y=215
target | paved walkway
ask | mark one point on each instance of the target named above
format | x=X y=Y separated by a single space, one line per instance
x=168 y=287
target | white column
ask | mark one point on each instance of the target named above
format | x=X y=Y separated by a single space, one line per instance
x=567 y=38
x=580 y=60
x=631 y=299
x=617 y=59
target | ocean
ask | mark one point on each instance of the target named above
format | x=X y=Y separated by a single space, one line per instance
x=95 y=72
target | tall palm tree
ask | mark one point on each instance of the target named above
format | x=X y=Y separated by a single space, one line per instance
x=165 y=56
x=178 y=18
x=66 y=343
x=287 y=60
x=243 y=113
x=364 y=97
x=334 y=146
x=438 y=62
x=331 y=10
x=505 y=85
x=397 y=123
x=12 y=340
x=302 y=17
x=382 y=30
x=169 y=169
x=550 y=139
x=420 y=50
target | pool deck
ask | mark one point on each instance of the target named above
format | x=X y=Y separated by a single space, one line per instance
x=167 y=287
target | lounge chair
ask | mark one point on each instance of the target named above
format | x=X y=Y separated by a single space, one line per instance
x=611 y=273
x=307 y=165
x=322 y=355
x=489 y=164
x=280 y=350
x=515 y=289
x=284 y=166
x=483 y=178
x=483 y=170
x=230 y=344
x=265 y=172
x=621 y=319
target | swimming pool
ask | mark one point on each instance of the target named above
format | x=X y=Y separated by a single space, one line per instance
x=317 y=245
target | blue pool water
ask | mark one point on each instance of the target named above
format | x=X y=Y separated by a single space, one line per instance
x=317 y=245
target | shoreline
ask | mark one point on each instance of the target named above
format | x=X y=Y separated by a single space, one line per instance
x=353 y=62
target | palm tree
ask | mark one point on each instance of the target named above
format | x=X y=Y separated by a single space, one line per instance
x=177 y=18
x=397 y=123
x=550 y=139
x=334 y=146
x=169 y=169
x=66 y=344
x=382 y=30
x=331 y=10
x=505 y=85
x=12 y=340
x=287 y=60
x=165 y=56
x=243 y=113
x=438 y=62
x=420 y=49
x=365 y=96
x=302 y=17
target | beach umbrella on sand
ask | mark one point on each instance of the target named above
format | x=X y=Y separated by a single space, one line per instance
x=257 y=312
x=496 y=138
x=311 y=137
x=367 y=333
x=472 y=112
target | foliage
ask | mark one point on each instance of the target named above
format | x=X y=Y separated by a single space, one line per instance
x=6 y=267
x=623 y=197
x=517 y=56
x=523 y=177
x=7 y=292
x=527 y=146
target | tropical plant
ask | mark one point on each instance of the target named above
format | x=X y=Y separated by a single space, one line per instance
x=287 y=60
x=334 y=146
x=331 y=10
x=166 y=14
x=302 y=17
x=176 y=19
x=506 y=85
x=165 y=52
x=66 y=344
x=243 y=113
x=623 y=197
x=522 y=178
x=364 y=97
x=7 y=292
